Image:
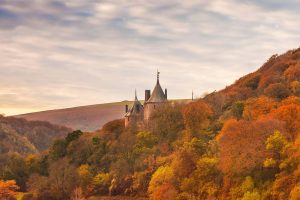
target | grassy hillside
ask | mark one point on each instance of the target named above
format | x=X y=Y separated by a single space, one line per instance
x=85 y=118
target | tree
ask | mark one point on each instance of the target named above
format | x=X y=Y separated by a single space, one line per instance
x=77 y=194
x=163 y=175
x=58 y=149
x=290 y=100
x=277 y=90
x=295 y=193
x=237 y=109
x=290 y=114
x=113 y=129
x=257 y=107
x=85 y=176
x=204 y=182
x=197 y=116
x=73 y=136
x=295 y=86
x=100 y=183
x=251 y=196
x=167 y=122
x=244 y=190
x=278 y=144
x=242 y=144
x=164 y=192
x=8 y=189
x=293 y=73
x=63 y=179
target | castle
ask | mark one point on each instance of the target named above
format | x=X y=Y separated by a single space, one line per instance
x=142 y=113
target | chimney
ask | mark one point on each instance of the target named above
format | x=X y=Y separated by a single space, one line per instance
x=166 y=93
x=147 y=95
x=126 y=108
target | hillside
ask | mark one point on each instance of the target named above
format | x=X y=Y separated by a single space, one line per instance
x=24 y=137
x=277 y=78
x=85 y=118
x=242 y=142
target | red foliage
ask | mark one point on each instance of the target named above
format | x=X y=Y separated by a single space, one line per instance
x=242 y=144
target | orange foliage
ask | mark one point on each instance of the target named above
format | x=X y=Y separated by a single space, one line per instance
x=196 y=115
x=290 y=114
x=256 y=107
x=8 y=189
x=293 y=73
x=291 y=100
x=242 y=144
x=165 y=192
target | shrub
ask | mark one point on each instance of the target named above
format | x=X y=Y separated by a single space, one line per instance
x=277 y=90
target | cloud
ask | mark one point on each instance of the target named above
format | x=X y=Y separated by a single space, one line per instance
x=57 y=53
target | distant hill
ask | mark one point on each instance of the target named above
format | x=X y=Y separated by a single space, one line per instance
x=25 y=137
x=85 y=118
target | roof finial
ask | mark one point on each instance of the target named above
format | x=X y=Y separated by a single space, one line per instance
x=192 y=95
x=135 y=96
x=158 y=76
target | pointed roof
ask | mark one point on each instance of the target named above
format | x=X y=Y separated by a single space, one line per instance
x=158 y=94
x=136 y=108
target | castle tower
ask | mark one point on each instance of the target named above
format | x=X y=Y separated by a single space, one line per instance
x=157 y=98
x=135 y=113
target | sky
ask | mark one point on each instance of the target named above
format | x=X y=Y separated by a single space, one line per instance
x=65 y=53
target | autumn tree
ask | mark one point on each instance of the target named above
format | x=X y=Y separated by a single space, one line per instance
x=242 y=144
x=8 y=189
x=237 y=109
x=204 y=182
x=85 y=176
x=162 y=176
x=290 y=114
x=295 y=87
x=167 y=122
x=277 y=90
x=164 y=192
x=256 y=107
x=293 y=73
x=197 y=116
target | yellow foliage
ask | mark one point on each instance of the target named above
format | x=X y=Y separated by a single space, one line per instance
x=162 y=175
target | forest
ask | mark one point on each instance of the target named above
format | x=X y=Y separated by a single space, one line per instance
x=240 y=143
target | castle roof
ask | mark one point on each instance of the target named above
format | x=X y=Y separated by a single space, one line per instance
x=136 y=108
x=158 y=94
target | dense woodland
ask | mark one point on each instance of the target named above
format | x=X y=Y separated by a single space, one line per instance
x=239 y=143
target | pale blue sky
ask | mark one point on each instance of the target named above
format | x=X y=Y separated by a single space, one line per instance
x=57 y=54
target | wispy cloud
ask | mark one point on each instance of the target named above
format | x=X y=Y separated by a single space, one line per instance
x=57 y=53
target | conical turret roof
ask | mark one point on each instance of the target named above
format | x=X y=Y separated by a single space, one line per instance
x=158 y=94
x=136 y=108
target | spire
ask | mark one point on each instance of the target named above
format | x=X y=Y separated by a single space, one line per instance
x=135 y=96
x=192 y=95
x=158 y=76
